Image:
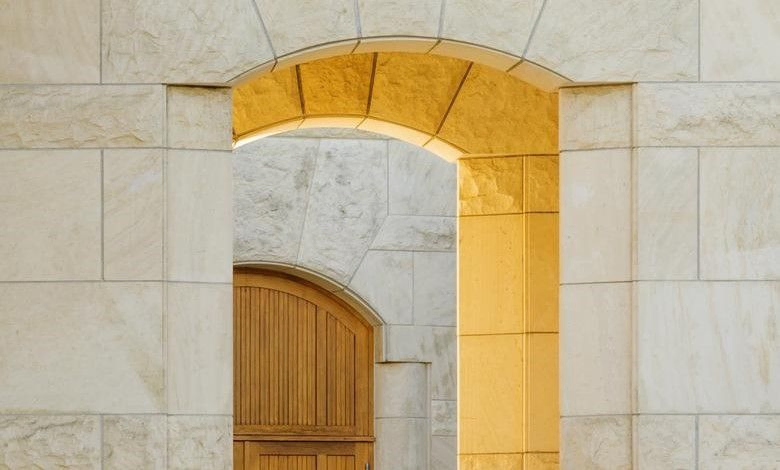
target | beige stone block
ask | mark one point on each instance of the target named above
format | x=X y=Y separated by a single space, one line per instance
x=307 y=23
x=707 y=347
x=542 y=278
x=402 y=443
x=199 y=216
x=401 y=390
x=50 y=442
x=541 y=461
x=102 y=354
x=50 y=41
x=596 y=341
x=740 y=213
x=134 y=441
x=395 y=44
x=133 y=214
x=666 y=442
x=667 y=213
x=596 y=117
x=199 y=118
x=538 y=76
x=491 y=274
x=444 y=454
x=385 y=281
x=540 y=183
x=646 y=40
x=739 y=442
x=490 y=398
x=416 y=233
x=420 y=183
x=543 y=410
x=596 y=443
x=199 y=325
x=436 y=345
x=77 y=116
x=434 y=289
x=180 y=41
x=200 y=442
x=475 y=53
x=596 y=216
x=503 y=24
x=399 y=17
x=490 y=186
x=707 y=114
x=738 y=40
x=444 y=418
x=50 y=206
x=490 y=461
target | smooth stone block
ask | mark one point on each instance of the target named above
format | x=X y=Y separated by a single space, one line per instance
x=199 y=215
x=436 y=345
x=347 y=205
x=103 y=347
x=667 y=213
x=490 y=461
x=401 y=390
x=740 y=213
x=542 y=393
x=666 y=442
x=133 y=214
x=541 y=461
x=180 y=41
x=645 y=40
x=402 y=443
x=738 y=40
x=200 y=442
x=421 y=183
x=596 y=443
x=707 y=114
x=596 y=117
x=76 y=116
x=416 y=233
x=434 y=284
x=385 y=281
x=596 y=216
x=542 y=277
x=200 y=118
x=271 y=179
x=490 y=186
x=739 y=442
x=50 y=41
x=595 y=349
x=50 y=206
x=708 y=347
x=444 y=454
x=63 y=441
x=200 y=354
x=134 y=441
x=444 y=417
x=540 y=183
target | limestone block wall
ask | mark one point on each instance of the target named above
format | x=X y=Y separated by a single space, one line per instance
x=374 y=219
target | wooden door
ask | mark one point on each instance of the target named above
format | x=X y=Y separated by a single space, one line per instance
x=303 y=381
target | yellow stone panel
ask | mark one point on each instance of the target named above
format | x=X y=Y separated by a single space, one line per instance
x=542 y=275
x=491 y=462
x=541 y=461
x=490 y=186
x=491 y=274
x=496 y=113
x=542 y=409
x=265 y=101
x=490 y=394
x=339 y=85
x=541 y=184
x=415 y=89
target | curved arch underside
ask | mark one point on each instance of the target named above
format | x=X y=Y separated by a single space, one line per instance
x=449 y=106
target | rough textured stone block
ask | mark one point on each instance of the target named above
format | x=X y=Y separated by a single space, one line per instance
x=103 y=347
x=490 y=461
x=444 y=418
x=596 y=117
x=414 y=233
x=50 y=203
x=607 y=40
x=199 y=442
x=399 y=17
x=50 y=41
x=133 y=214
x=81 y=116
x=180 y=41
x=385 y=280
x=420 y=183
x=596 y=443
x=490 y=186
x=134 y=441
x=199 y=323
x=71 y=442
x=739 y=442
x=199 y=118
x=666 y=442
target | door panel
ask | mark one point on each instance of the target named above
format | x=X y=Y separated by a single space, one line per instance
x=306 y=456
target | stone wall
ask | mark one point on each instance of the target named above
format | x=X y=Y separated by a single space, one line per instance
x=376 y=219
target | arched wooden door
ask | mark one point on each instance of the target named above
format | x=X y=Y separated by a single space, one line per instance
x=302 y=377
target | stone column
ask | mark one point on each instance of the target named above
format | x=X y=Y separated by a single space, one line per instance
x=507 y=312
